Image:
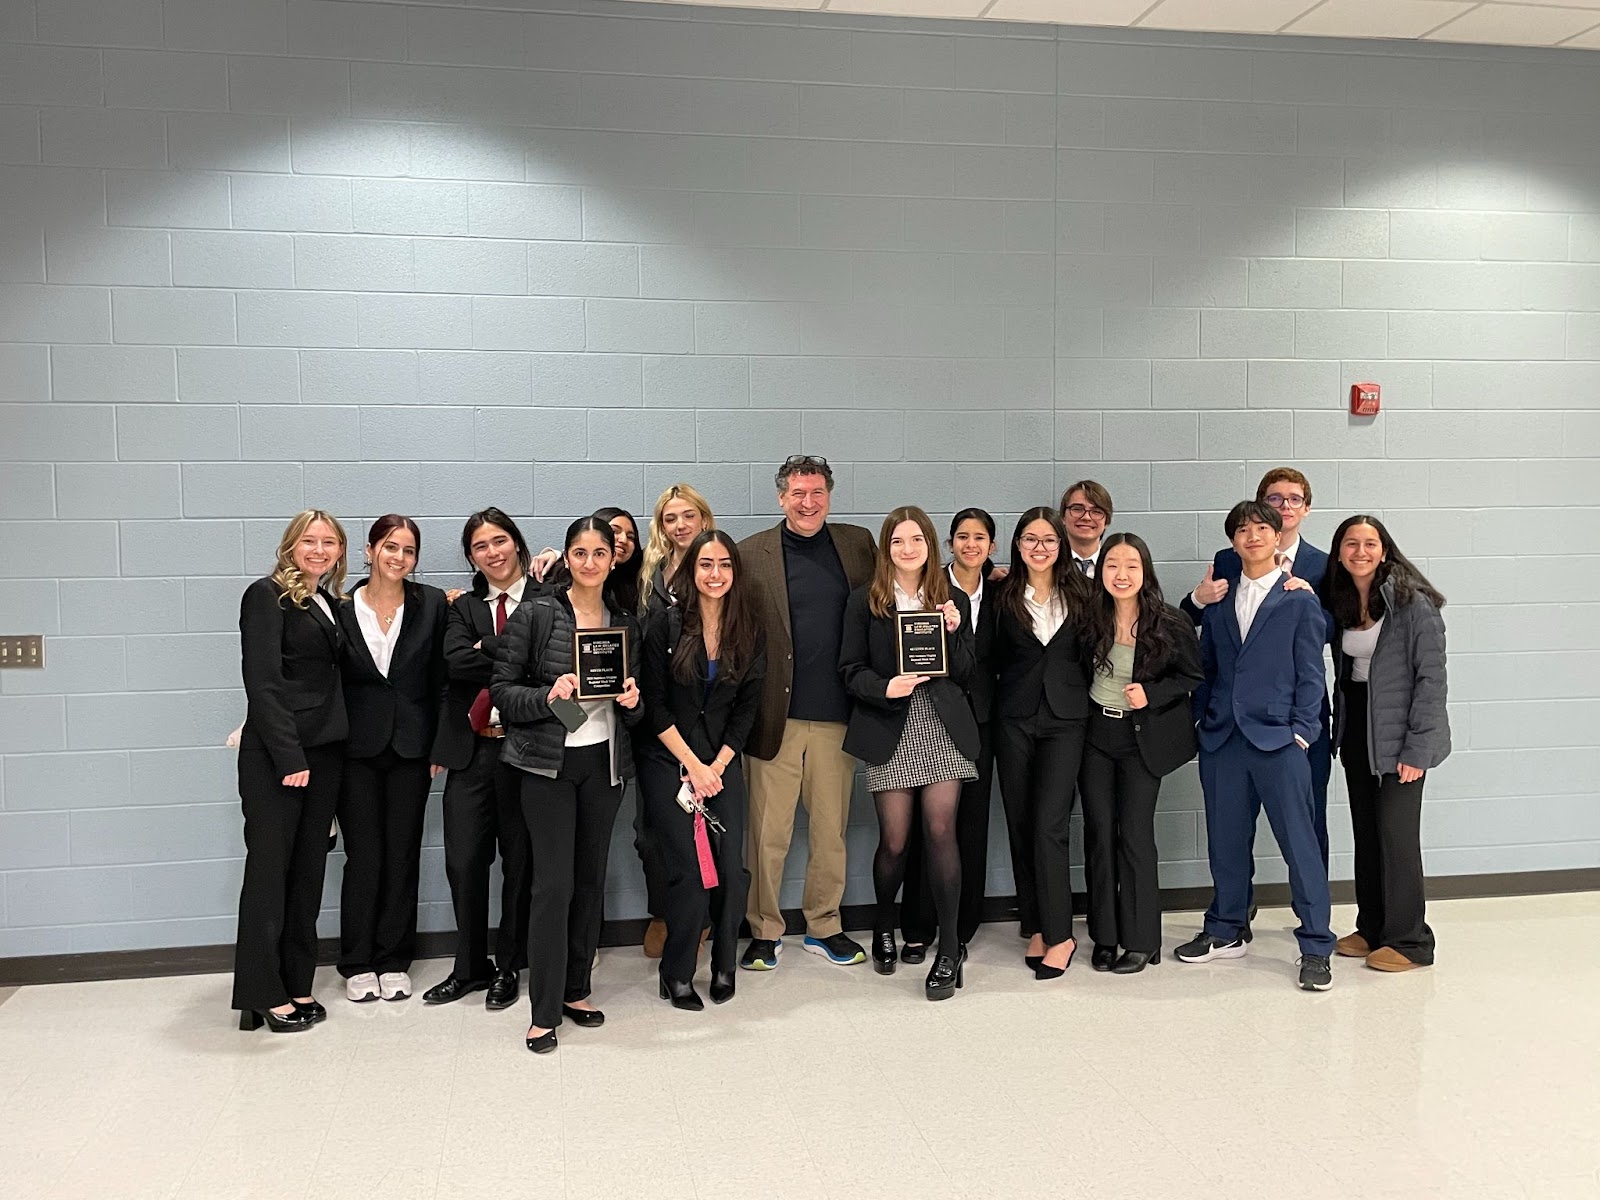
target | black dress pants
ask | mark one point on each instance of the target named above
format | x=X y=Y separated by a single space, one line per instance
x=569 y=821
x=482 y=810
x=647 y=846
x=1037 y=759
x=381 y=808
x=285 y=853
x=688 y=903
x=919 y=924
x=1119 y=835
x=1386 y=820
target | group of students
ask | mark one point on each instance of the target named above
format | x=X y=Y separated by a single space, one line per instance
x=761 y=672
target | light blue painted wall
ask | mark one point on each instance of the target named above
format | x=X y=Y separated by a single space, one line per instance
x=376 y=256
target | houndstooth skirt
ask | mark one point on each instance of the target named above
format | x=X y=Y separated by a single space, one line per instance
x=925 y=753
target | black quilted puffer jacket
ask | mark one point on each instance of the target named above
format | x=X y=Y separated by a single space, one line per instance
x=536 y=650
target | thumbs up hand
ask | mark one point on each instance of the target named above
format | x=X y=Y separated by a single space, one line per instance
x=1210 y=589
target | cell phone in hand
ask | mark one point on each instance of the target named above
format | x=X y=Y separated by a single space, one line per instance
x=570 y=713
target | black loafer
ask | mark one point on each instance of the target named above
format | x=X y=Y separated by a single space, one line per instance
x=451 y=989
x=503 y=991
x=914 y=953
x=543 y=1044
x=584 y=1018
x=883 y=953
x=1103 y=958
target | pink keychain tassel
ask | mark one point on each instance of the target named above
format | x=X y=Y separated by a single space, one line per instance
x=702 y=850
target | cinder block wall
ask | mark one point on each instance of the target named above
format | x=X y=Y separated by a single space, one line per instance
x=256 y=255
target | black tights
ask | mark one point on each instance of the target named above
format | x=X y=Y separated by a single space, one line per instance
x=942 y=855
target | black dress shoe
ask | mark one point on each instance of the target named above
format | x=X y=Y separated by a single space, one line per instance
x=914 y=953
x=251 y=1019
x=1044 y=972
x=1134 y=961
x=884 y=955
x=584 y=1018
x=1103 y=958
x=945 y=976
x=503 y=991
x=721 y=987
x=542 y=1044
x=682 y=995
x=312 y=1009
x=452 y=988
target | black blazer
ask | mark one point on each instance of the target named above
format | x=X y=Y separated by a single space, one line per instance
x=290 y=661
x=706 y=723
x=869 y=656
x=469 y=649
x=1030 y=674
x=1164 y=728
x=402 y=710
x=980 y=684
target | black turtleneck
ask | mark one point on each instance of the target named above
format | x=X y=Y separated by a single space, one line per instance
x=818 y=589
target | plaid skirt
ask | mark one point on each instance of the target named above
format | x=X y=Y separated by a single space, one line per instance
x=925 y=754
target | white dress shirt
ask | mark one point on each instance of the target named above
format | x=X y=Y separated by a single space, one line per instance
x=976 y=598
x=1247 y=600
x=322 y=603
x=905 y=601
x=1047 y=617
x=1092 y=559
x=1283 y=556
x=380 y=641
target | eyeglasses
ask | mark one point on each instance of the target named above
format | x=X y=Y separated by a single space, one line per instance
x=1028 y=542
x=1278 y=501
x=1088 y=510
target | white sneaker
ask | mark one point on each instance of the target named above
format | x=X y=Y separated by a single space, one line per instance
x=361 y=988
x=395 y=985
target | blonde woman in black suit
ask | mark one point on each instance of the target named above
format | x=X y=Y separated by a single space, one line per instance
x=291 y=760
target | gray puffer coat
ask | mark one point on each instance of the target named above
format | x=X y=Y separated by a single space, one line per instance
x=1406 y=718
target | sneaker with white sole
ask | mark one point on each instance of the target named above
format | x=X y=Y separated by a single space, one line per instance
x=839 y=949
x=1316 y=973
x=395 y=985
x=1206 y=947
x=362 y=987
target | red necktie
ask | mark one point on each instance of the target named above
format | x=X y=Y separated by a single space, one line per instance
x=478 y=714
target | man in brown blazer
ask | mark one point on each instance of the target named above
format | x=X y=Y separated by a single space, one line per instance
x=802 y=572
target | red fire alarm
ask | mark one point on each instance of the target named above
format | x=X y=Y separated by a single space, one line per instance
x=1364 y=399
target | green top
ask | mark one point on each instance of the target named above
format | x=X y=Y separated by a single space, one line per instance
x=1109 y=680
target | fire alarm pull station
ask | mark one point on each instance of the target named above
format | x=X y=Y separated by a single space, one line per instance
x=1364 y=399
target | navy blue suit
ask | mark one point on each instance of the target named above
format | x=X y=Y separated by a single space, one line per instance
x=1257 y=696
x=1311 y=565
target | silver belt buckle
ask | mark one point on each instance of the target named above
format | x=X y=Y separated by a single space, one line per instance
x=1114 y=713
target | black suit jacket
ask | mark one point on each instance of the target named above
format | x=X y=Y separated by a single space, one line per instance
x=469 y=649
x=869 y=656
x=1164 y=728
x=1030 y=673
x=706 y=723
x=290 y=662
x=980 y=684
x=402 y=709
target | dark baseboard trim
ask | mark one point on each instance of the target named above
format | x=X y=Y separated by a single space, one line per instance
x=204 y=960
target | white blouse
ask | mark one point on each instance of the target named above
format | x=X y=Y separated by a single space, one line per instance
x=380 y=642
x=1048 y=617
x=1359 y=645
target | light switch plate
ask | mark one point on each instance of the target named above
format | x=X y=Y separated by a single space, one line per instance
x=21 y=650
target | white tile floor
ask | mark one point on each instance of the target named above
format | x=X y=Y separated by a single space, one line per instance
x=1479 y=1078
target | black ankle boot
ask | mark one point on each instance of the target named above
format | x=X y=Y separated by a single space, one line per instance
x=682 y=995
x=721 y=987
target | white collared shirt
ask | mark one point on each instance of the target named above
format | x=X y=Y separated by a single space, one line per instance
x=1048 y=617
x=1092 y=559
x=904 y=601
x=975 y=598
x=1247 y=599
x=1287 y=556
x=380 y=641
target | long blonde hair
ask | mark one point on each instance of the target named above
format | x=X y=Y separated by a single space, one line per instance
x=935 y=585
x=659 y=547
x=289 y=578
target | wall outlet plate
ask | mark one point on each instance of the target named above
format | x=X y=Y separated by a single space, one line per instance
x=21 y=651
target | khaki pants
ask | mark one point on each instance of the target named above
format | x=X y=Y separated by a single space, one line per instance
x=811 y=767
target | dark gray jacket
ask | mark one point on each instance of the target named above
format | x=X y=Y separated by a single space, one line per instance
x=535 y=650
x=1406 y=718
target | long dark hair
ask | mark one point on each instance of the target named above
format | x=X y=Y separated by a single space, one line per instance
x=496 y=517
x=739 y=629
x=1150 y=627
x=1339 y=594
x=1068 y=583
x=625 y=576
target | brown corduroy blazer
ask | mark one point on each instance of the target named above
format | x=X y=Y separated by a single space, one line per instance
x=762 y=557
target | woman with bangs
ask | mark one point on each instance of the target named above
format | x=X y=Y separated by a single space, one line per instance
x=394 y=686
x=916 y=733
x=291 y=760
x=1042 y=704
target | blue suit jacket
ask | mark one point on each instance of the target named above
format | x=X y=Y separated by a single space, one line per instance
x=1272 y=685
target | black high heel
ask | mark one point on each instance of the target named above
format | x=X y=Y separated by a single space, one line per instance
x=1044 y=972
x=1032 y=961
x=721 y=987
x=682 y=995
x=884 y=954
x=544 y=1043
x=1104 y=957
x=946 y=975
x=251 y=1019
x=312 y=1009
x=1134 y=961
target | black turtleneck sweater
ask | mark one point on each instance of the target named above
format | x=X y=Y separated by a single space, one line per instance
x=818 y=589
